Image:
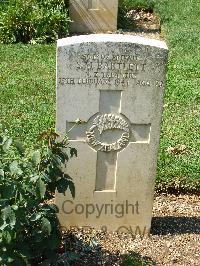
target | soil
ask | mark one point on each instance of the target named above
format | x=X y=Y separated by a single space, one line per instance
x=142 y=22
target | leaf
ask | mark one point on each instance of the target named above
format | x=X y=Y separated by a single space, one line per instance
x=8 y=191
x=35 y=216
x=20 y=147
x=34 y=178
x=6 y=236
x=3 y=202
x=72 y=188
x=8 y=215
x=1 y=172
x=63 y=184
x=14 y=168
x=7 y=144
x=25 y=251
x=60 y=158
x=36 y=157
x=3 y=225
x=10 y=259
x=54 y=208
x=40 y=188
x=46 y=226
x=46 y=178
x=14 y=207
x=73 y=152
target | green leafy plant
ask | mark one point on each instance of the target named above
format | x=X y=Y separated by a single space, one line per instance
x=29 y=228
x=33 y=21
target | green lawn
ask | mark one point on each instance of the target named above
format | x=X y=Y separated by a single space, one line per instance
x=27 y=88
x=181 y=28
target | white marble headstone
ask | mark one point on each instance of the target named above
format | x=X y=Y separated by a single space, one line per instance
x=93 y=16
x=114 y=85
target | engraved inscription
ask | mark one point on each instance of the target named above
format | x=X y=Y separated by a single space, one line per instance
x=112 y=80
x=108 y=122
x=124 y=66
x=112 y=69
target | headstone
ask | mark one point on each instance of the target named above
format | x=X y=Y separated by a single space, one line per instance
x=113 y=84
x=93 y=16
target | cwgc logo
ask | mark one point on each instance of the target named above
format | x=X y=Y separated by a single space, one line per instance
x=128 y=229
x=108 y=122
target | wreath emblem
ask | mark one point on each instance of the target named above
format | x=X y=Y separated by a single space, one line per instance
x=108 y=122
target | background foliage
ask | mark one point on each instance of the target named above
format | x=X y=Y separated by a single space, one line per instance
x=33 y=20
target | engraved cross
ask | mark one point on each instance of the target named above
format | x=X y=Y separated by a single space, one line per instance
x=108 y=132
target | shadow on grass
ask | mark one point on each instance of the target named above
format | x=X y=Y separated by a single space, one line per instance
x=175 y=225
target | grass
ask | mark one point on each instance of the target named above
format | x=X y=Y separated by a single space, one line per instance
x=28 y=93
x=181 y=28
x=28 y=89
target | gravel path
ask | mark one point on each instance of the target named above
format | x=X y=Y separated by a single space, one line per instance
x=174 y=238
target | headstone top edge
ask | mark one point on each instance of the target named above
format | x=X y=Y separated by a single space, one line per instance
x=101 y=38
